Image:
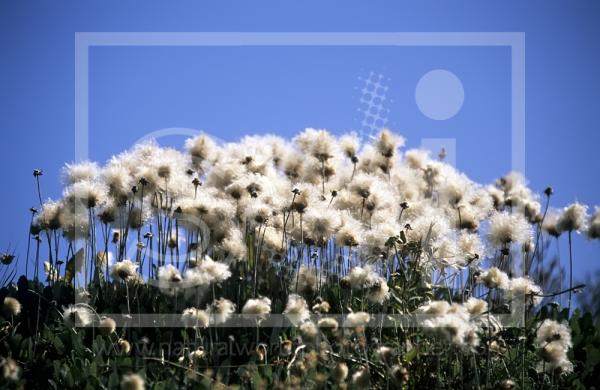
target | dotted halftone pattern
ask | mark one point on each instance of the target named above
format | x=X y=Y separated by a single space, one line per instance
x=373 y=104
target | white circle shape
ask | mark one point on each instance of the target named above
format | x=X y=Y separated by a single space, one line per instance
x=439 y=94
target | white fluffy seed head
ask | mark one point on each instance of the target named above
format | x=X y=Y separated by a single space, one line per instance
x=258 y=308
x=525 y=288
x=12 y=306
x=358 y=319
x=132 y=382
x=494 y=278
x=553 y=340
x=107 y=325
x=296 y=309
x=476 y=306
x=221 y=310
x=195 y=318
x=306 y=280
x=593 y=231
x=506 y=229
x=75 y=315
x=309 y=330
x=124 y=270
x=328 y=323
x=573 y=218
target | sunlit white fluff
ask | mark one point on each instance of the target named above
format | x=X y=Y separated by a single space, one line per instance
x=376 y=238
x=476 y=306
x=124 y=270
x=316 y=142
x=11 y=306
x=201 y=148
x=553 y=341
x=77 y=315
x=340 y=372
x=169 y=278
x=593 y=231
x=234 y=245
x=436 y=308
x=379 y=291
x=387 y=143
x=328 y=323
x=195 y=318
x=508 y=228
x=306 y=279
x=107 y=325
x=470 y=247
x=349 y=144
x=309 y=330
x=550 y=224
x=524 y=288
x=350 y=232
x=88 y=194
x=573 y=218
x=83 y=171
x=495 y=278
x=218 y=272
x=49 y=215
x=259 y=308
x=118 y=181
x=10 y=370
x=321 y=307
x=454 y=329
x=357 y=319
x=321 y=223
x=296 y=309
x=221 y=310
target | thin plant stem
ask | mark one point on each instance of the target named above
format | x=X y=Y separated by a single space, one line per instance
x=570 y=268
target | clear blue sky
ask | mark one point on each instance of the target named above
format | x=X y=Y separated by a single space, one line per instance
x=229 y=92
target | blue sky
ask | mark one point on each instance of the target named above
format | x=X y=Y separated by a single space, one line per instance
x=229 y=92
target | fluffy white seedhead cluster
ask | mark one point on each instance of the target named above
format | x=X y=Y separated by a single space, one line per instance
x=357 y=195
x=221 y=310
x=124 y=270
x=328 y=208
x=594 y=225
x=366 y=279
x=107 y=325
x=77 y=315
x=508 y=228
x=520 y=289
x=11 y=306
x=573 y=218
x=296 y=309
x=494 y=278
x=458 y=324
x=525 y=289
x=553 y=341
x=258 y=308
x=306 y=280
x=358 y=319
x=217 y=313
x=195 y=318
x=201 y=275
